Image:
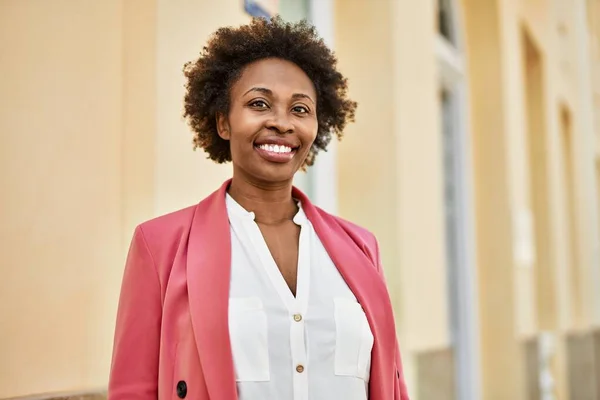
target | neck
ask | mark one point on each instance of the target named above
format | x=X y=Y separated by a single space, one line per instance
x=271 y=203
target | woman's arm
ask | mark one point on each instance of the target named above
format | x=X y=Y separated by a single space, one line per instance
x=134 y=371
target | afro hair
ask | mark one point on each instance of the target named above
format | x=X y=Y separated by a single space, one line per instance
x=229 y=50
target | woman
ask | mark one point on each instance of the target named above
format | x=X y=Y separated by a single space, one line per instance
x=254 y=293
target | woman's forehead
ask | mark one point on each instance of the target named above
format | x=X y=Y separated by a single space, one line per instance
x=276 y=75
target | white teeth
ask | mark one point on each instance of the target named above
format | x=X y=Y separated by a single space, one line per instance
x=275 y=148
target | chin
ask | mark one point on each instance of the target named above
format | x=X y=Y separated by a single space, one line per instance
x=276 y=173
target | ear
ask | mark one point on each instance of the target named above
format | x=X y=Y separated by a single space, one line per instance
x=223 y=126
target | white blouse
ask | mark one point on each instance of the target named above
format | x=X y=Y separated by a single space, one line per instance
x=314 y=346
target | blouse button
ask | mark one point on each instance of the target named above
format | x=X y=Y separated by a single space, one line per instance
x=297 y=317
x=300 y=369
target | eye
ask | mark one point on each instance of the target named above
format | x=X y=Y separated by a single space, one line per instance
x=300 y=110
x=261 y=104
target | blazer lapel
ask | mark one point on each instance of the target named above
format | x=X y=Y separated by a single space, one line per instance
x=368 y=286
x=208 y=277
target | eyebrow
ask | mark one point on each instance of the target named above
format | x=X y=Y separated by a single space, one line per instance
x=270 y=93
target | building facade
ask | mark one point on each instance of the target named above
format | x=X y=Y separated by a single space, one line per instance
x=475 y=159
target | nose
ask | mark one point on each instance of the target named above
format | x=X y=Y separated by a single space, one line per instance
x=280 y=121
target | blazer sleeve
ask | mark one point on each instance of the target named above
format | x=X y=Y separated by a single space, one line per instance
x=400 y=390
x=134 y=369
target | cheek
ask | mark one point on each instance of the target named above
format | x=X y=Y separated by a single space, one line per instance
x=241 y=136
x=311 y=134
x=242 y=124
x=237 y=146
x=240 y=150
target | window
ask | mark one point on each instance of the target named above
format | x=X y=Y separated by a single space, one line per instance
x=293 y=10
x=457 y=213
x=445 y=20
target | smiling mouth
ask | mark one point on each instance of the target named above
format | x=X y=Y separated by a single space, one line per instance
x=276 y=148
x=276 y=153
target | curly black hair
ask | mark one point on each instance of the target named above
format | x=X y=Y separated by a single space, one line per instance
x=229 y=50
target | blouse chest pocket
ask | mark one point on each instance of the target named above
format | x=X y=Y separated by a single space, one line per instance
x=249 y=341
x=353 y=340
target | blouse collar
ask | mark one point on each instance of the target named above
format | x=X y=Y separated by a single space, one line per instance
x=235 y=209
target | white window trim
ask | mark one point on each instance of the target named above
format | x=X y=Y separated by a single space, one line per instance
x=452 y=72
x=322 y=176
x=451 y=65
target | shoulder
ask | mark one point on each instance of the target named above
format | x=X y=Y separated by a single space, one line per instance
x=163 y=235
x=171 y=224
x=354 y=228
x=364 y=238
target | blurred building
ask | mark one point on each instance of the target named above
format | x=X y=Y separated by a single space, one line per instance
x=475 y=159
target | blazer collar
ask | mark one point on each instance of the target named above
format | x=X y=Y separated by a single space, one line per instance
x=209 y=274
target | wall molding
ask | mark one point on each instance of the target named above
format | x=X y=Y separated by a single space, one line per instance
x=82 y=395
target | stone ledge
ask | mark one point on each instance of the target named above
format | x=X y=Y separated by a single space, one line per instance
x=531 y=352
x=436 y=374
x=94 y=395
x=583 y=357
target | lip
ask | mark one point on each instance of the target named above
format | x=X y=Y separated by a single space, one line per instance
x=275 y=157
x=280 y=141
x=272 y=156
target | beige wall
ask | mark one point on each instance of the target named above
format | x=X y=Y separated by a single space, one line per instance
x=182 y=176
x=61 y=85
x=139 y=114
x=518 y=172
x=390 y=160
x=499 y=350
x=161 y=37
x=366 y=154
x=92 y=144
x=396 y=143
x=594 y=48
x=542 y=294
x=420 y=205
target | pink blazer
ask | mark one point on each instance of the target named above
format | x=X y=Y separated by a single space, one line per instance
x=172 y=336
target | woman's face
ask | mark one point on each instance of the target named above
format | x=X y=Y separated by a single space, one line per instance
x=272 y=121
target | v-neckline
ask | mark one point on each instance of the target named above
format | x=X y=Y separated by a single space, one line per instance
x=288 y=268
x=299 y=302
x=275 y=275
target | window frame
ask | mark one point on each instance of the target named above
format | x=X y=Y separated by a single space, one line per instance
x=463 y=320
